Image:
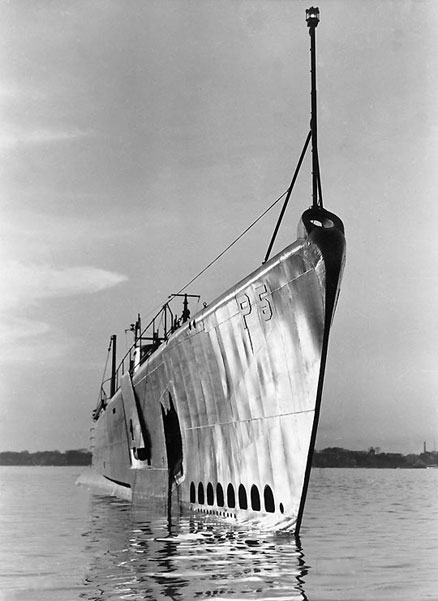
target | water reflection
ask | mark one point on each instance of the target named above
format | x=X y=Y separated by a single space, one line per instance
x=135 y=555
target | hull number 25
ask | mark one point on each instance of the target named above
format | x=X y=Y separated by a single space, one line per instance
x=261 y=302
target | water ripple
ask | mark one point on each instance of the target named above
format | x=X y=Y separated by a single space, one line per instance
x=367 y=534
x=150 y=558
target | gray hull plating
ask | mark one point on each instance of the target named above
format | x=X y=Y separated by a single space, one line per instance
x=222 y=417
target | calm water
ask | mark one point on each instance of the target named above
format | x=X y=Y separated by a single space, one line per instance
x=367 y=534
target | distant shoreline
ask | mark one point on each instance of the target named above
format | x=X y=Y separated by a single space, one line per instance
x=53 y=458
x=329 y=457
x=338 y=457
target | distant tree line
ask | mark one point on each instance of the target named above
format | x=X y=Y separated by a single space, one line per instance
x=73 y=457
x=337 y=457
x=330 y=457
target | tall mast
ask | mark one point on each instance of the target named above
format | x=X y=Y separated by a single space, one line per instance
x=113 y=365
x=312 y=18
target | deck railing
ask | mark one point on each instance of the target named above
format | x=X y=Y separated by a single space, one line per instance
x=146 y=342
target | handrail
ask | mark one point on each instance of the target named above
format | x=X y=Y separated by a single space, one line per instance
x=138 y=352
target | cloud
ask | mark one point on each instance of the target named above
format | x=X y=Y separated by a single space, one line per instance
x=16 y=138
x=33 y=235
x=25 y=284
x=27 y=339
x=30 y=340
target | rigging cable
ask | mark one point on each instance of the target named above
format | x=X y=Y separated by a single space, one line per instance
x=233 y=242
x=286 y=193
x=319 y=184
x=286 y=200
x=218 y=256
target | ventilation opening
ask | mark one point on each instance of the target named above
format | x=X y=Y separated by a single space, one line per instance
x=172 y=433
x=201 y=493
x=210 y=494
x=231 y=499
x=255 y=498
x=220 y=495
x=192 y=493
x=243 y=500
x=269 y=499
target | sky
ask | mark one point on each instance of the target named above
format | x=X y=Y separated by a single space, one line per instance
x=138 y=139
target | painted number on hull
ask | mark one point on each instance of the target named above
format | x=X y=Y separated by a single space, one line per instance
x=261 y=301
x=245 y=307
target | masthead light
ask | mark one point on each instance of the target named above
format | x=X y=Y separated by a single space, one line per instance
x=312 y=16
